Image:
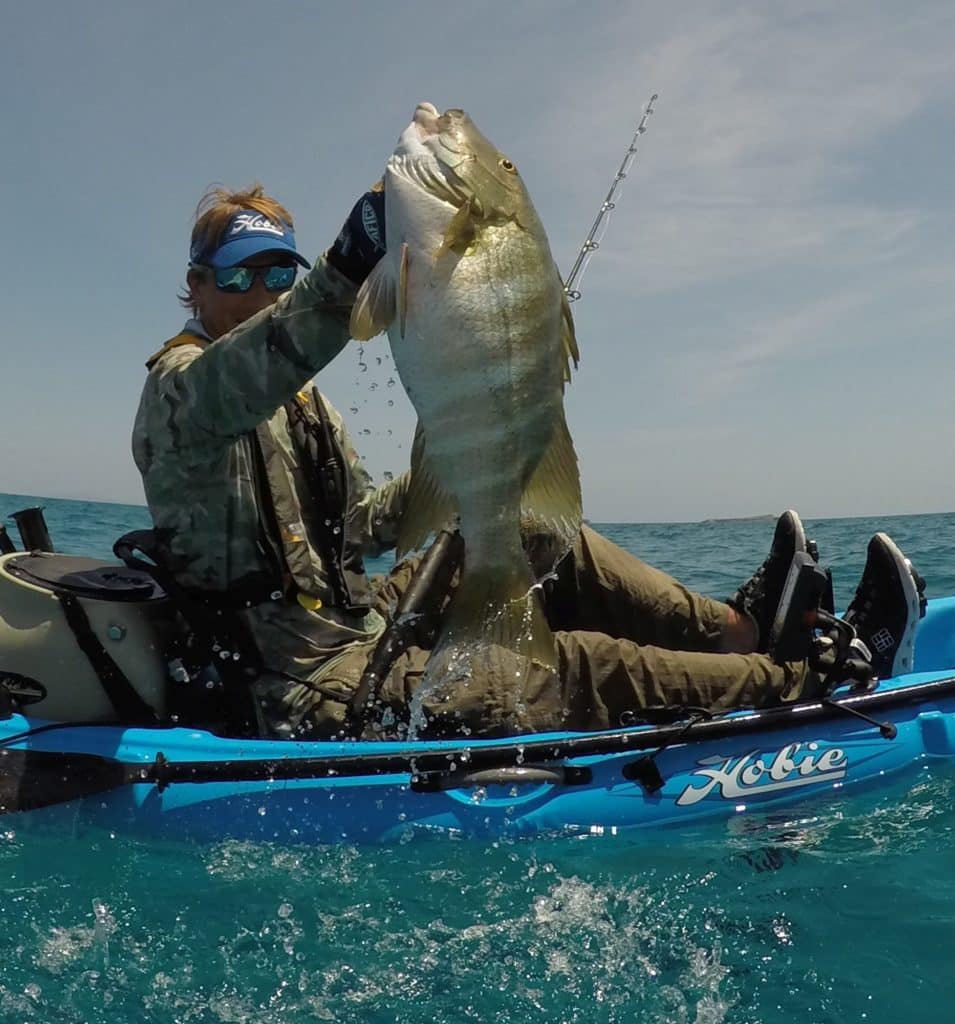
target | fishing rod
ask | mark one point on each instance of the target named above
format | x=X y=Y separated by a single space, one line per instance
x=592 y=242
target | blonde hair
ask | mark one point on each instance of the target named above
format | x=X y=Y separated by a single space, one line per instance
x=216 y=209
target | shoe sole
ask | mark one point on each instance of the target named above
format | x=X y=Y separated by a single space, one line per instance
x=798 y=530
x=792 y=574
x=904 y=659
x=800 y=560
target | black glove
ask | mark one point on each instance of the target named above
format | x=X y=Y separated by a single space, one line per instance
x=361 y=241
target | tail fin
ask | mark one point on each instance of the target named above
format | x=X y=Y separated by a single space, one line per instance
x=500 y=605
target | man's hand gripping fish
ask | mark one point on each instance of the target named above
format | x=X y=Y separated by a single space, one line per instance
x=482 y=338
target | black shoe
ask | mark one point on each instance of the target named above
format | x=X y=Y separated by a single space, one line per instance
x=759 y=596
x=889 y=602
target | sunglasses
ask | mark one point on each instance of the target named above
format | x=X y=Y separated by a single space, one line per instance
x=240 y=279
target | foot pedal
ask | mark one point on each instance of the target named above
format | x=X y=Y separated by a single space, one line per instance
x=827 y=602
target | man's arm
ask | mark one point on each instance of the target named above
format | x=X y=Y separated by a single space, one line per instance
x=373 y=512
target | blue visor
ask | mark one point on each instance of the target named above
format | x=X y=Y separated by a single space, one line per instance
x=248 y=234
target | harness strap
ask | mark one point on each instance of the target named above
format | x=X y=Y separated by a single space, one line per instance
x=325 y=477
x=128 y=704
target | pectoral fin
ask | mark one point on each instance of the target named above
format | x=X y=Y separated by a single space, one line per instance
x=375 y=307
x=460 y=232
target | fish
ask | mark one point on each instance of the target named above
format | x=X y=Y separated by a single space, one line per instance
x=483 y=340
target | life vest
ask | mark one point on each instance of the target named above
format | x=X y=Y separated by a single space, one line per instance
x=298 y=441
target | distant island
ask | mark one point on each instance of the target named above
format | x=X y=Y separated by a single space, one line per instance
x=743 y=519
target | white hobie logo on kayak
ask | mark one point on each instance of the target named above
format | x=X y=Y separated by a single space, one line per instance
x=797 y=764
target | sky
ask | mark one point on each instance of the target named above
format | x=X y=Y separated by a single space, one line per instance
x=767 y=323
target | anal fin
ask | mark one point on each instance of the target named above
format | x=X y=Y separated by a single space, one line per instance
x=427 y=508
x=551 y=500
x=500 y=605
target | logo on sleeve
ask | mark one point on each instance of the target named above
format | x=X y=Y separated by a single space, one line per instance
x=369 y=221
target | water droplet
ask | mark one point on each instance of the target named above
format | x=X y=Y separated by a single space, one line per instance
x=391 y=382
x=353 y=409
x=285 y=910
x=261 y=812
x=373 y=386
x=388 y=475
x=391 y=401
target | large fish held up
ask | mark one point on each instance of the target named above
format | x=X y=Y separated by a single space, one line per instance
x=482 y=338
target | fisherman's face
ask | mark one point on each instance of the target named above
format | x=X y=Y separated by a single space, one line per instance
x=221 y=312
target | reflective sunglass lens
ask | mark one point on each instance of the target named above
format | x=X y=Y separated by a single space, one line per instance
x=234 y=279
x=277 y=279
x=239 y=279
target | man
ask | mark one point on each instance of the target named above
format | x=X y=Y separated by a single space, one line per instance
x=262 y=510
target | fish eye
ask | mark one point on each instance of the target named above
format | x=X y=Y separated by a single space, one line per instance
x=507 y=165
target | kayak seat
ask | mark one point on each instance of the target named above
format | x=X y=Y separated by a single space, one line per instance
x=85 y=577
x=107 y=626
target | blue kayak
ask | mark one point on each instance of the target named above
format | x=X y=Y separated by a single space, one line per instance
x=186 y=783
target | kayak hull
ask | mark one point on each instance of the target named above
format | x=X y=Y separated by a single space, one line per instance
x=639 y=778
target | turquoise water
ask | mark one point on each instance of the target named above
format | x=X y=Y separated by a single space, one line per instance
x=832 y=914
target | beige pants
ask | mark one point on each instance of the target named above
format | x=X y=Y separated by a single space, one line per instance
x=628 y=637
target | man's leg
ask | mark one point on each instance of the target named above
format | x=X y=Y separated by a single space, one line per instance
x=604 y=677
x=602 y=588
x=599 y=680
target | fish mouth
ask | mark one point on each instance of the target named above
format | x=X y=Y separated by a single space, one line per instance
x=422 y=154
x=425 y=120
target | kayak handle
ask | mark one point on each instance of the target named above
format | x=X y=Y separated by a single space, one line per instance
x=510 y=775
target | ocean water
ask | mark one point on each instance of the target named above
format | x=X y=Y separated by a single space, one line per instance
x=830 y=914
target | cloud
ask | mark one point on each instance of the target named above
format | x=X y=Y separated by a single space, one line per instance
x=759 y=133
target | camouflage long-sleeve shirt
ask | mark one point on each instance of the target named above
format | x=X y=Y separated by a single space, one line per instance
x=204 y=407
